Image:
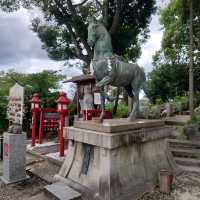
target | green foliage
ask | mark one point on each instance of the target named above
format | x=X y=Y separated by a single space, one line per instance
x=72 y=108
x=174 y=18
x=196 y=116
x=122 y=109
x=170 y=75
x=44 y=83
x=63 y=30
x=166 y=81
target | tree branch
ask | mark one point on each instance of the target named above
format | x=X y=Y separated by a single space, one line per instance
x=105 y=12
x=80 y=4
x=117 y=17
x=99 y=4
x=75 y=16
x=68 y=23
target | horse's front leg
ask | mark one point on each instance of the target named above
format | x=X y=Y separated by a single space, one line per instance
x=105 y=81
x=135 y=107
x=102 y=104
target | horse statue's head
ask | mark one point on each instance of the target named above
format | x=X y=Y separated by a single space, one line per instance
x=92 y=29
x=95 y=29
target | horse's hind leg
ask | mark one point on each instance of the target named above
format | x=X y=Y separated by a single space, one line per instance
x=135 y=107
x=132 y=115
x=102 y=104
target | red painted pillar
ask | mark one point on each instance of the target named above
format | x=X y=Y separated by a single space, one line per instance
x=35 y=107
x=62 y=109
x=62 y=140
x=34 y=114
x=41 y=127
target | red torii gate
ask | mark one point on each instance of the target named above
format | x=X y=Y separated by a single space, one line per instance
x=49 y=120
x=54 y=122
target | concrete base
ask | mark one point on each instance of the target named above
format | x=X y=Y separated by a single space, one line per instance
x=14 y=158
x=115 y=165
x=7 y=182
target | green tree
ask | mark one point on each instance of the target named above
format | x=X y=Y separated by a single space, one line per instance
x=63 y=31
x=166 y=81
x=45 y=83
x=171 y=62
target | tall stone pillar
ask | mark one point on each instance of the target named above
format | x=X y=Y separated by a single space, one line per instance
x=14 y=158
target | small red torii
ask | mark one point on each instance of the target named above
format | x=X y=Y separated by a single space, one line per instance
x=54 y=122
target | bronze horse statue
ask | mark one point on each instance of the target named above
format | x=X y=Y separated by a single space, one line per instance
x=112 y=70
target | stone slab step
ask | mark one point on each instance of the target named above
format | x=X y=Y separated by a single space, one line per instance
x=184 y=143
x=45 y=170
x=61 y=191
x=191 y=153
x=187 y=161
x=184 y=146
x=178 y=120
x=190 y=169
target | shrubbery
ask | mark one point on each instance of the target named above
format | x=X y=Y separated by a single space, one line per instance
x=196 y=116
x=177 y=105
x=122 y=109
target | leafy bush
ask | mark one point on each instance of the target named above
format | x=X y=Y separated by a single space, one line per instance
x=196 y=117
x=72 y=108
x=122 y=109
x=181 y=102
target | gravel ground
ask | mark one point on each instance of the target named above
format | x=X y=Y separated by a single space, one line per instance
x=23 y=190
x=186 y=186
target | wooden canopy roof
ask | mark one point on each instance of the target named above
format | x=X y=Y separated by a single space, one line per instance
x=81 y=78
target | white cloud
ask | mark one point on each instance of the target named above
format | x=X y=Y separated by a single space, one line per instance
x=152 y=45
x=154 y=42
x=21 y=48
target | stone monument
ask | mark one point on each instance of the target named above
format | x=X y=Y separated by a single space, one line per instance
x=14 y=145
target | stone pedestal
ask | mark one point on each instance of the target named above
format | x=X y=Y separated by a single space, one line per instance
x=116 y=160
x=14 y=158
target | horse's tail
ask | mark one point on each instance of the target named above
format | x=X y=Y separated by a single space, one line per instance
x=142 y=74
x=141 y=77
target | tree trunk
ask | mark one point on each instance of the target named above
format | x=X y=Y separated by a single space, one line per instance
x=191 y=75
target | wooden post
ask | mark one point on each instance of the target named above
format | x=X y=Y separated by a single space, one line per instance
x=62 y=140
x=41 y=127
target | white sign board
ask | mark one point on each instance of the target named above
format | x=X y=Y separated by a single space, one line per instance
x=97 y=98
x=15 y=104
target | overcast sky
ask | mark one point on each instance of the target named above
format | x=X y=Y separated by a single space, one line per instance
x=20 y=48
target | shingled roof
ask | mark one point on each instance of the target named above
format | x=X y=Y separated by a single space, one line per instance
x=81 y=78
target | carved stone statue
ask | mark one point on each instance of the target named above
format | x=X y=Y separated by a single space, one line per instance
x=112 y=70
